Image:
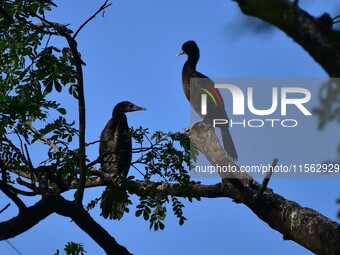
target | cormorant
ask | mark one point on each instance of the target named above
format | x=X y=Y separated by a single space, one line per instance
x=116 y=152
x=200 y=82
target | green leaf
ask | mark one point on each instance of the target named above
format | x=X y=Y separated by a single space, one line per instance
x=138 y=213
x=62 y=111
x=48 y=84
x=155 y=226
x=57 y=86
x=146 y=215
x=161 y=225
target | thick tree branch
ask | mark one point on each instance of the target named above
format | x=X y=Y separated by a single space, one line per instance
x=84 y=221
x=27 y=219
x=315 y=35
x=216 y=155
x=302 y=225
x=55 y=203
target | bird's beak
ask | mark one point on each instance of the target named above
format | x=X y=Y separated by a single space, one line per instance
x=180 y=53
x=138 y=108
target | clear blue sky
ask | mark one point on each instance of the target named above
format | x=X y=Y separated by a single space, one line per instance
x=131 y=55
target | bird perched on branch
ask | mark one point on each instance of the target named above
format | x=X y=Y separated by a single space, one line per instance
x=115 y=151
x=202 y=84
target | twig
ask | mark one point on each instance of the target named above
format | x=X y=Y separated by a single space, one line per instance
x=5 y=208
x=266 y=179
x=26 y=184
x=336 y=17
x=43 y=139
x=22 y=192
x=91 y=164
x=13 y=247
x=21 y=173
x=21 y=145
x=137 y=169
x=91 y=143
x=96 y=161
x=58 y=181
x=30 y=165
x=103 y=7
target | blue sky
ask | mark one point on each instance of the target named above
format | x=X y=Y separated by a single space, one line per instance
x=131 y=55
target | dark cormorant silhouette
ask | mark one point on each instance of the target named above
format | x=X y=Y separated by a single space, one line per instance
x=116 y=152
x=199 y=83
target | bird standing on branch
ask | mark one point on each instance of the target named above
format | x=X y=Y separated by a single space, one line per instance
x=115 y=151
x=202 y=84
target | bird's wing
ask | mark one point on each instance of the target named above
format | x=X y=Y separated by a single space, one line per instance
x=115 y=147
x=105 y=135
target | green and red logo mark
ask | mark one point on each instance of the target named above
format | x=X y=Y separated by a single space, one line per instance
x=213 y=94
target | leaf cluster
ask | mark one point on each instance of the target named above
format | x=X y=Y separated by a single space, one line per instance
x=72 y=248
x=165 y=160
x=31 y=71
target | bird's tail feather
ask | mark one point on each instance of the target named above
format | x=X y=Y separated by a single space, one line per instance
x=228 y=143
x=117 y=210
x=113 y=203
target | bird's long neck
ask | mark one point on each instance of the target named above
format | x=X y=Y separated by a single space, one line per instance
x=116 y=114
x=188 y=67
x=192 y=61
x=118 y=117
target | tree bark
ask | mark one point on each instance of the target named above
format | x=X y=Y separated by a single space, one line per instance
x=85 y=222
x=315 y=35
x=27 y=219
x=57 y=204
x=305 y=226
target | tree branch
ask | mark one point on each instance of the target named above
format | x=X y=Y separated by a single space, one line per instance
x=82 y=119
x=84 y=221
x=302 y=225
x=42 y=139
x=5 y=208
x=103 y=7
x=216 y=155
x=315 y=35
x=266 y=180
x=5 y=188
x=66 y=33
x=22 y=192
x=55 y=203
x=28 y=218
